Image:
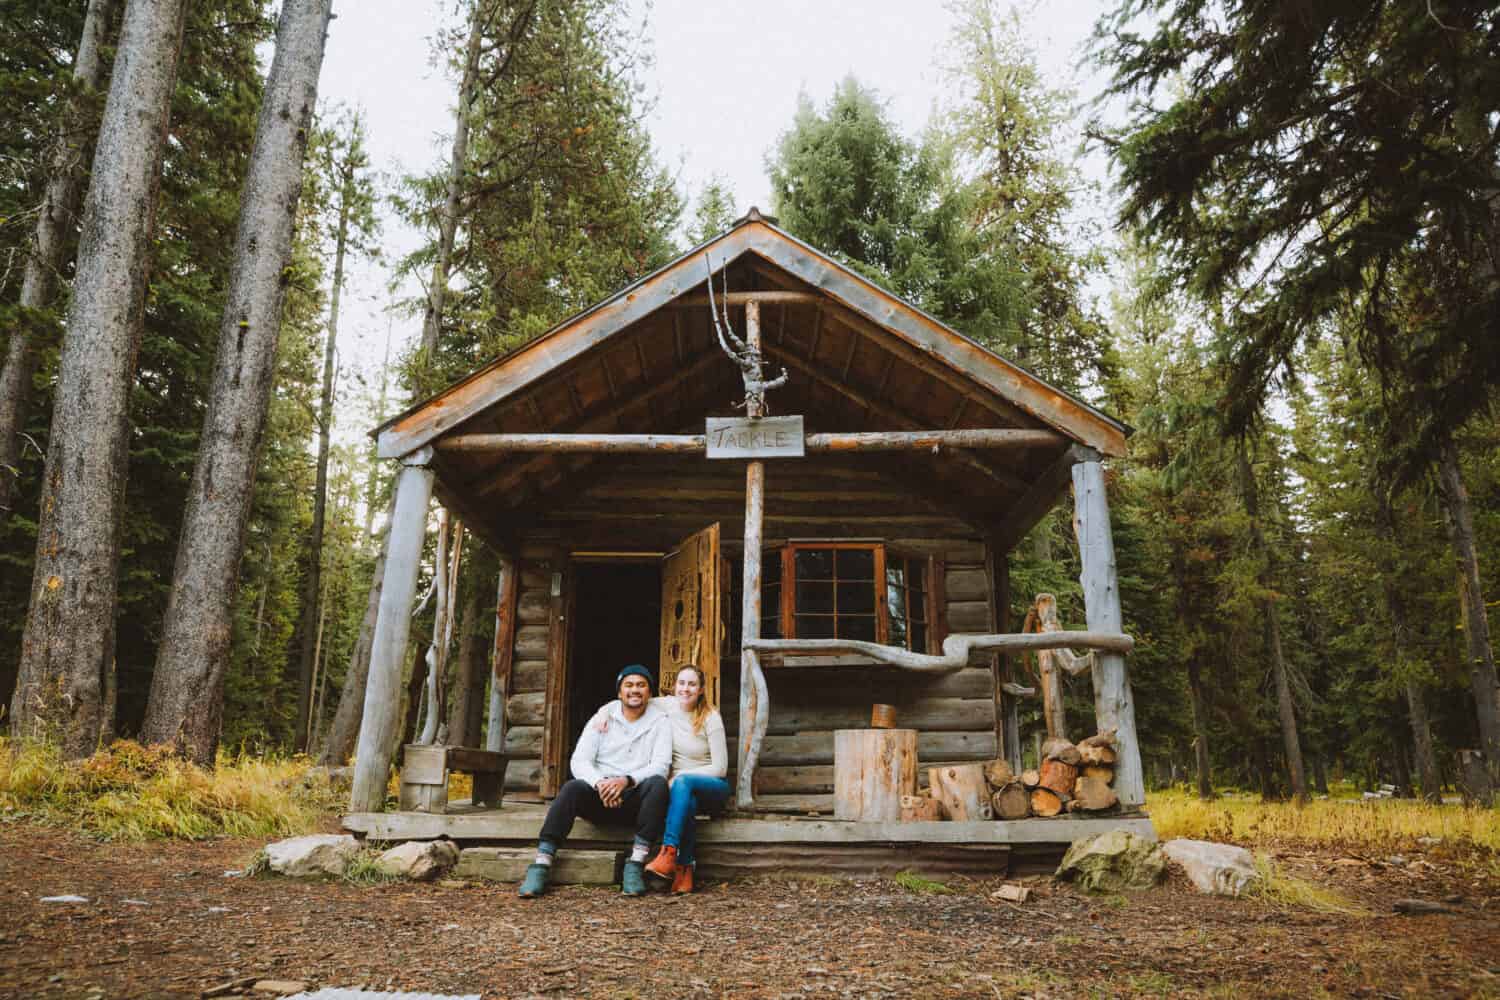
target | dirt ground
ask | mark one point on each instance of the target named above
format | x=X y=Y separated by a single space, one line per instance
x=163 y=920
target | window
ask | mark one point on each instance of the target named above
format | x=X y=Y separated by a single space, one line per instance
x=841 y=590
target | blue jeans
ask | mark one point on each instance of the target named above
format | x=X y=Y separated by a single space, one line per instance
x=691 y=794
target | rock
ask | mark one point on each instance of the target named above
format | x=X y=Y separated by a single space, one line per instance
x=1217 y=869
x=315 y=854
x=278 y=987
x=1115 y=861
x=1429 y=841
x=1011 y=893
x=419 y=860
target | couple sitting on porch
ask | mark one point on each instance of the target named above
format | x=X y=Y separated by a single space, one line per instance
x=620 y=776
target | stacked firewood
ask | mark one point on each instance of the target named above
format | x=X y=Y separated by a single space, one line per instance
x=1072 y=778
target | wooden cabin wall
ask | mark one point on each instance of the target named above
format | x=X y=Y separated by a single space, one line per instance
x=954 y=713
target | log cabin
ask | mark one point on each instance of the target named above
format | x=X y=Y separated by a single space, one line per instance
x=815 y=545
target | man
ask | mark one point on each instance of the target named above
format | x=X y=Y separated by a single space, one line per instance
x=619 y=777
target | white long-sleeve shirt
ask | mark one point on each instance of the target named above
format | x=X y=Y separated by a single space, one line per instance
x=641 y=749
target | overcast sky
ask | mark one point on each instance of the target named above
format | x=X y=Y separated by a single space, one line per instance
x=725 y=82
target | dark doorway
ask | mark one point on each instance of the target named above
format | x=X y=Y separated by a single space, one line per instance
x=616 y=621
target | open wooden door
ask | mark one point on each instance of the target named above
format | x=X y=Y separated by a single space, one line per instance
x=691 y=624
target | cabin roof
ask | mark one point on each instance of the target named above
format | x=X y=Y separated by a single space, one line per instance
x=645 y=360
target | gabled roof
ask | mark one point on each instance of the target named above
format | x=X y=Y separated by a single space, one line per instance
x=929 y=341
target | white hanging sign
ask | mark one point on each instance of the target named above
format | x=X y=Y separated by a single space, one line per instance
x=766 y=437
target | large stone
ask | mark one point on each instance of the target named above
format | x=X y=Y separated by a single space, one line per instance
x=1114 y=861
x=315 y=854
x=419 y=860
x=1218 y=869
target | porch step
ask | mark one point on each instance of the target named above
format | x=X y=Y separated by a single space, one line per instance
x=508 y=864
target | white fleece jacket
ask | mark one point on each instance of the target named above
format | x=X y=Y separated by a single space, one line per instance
x=641 y=749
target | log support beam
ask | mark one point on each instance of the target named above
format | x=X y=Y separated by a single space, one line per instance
x=956 y=648
x=1114 y=707
x=690 y=444
x=378 y=727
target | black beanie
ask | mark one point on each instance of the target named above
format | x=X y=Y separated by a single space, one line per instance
x=634 y=668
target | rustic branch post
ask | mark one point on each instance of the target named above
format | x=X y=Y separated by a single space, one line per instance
x=1113 y=705
x=755 y=703
x=507 y=590
x=372 y=763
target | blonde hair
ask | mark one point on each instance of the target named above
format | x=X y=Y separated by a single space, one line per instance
x=703 y=708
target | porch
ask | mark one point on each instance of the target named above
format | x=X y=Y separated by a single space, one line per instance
x=764 y=843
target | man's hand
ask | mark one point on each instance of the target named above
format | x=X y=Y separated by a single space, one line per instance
x=612 y=791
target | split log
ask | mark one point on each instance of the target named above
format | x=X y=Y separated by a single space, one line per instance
x=1011 y=893
x=963 y=791
x=1104 y=739
x=920 y=809
x=1030 y=778
x=998 y=773
x=1058 y=776
x=1058 y=749
x=1099 y=754
x=1094 y=794
x=1102 y=772
x=1011 y=802
x=1046 y=802
x=872 y=770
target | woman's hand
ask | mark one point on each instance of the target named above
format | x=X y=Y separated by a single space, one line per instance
x=601 y=722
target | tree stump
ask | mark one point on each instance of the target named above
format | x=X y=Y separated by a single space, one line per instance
x=998 y=773
x=1094 y=794
x=963 y=791
x=1058 y=776
x=1030 y=778
x=1011 y=802
x=872 y=770
x=1046 y=802
x=1102 y=772
x=1096 y=755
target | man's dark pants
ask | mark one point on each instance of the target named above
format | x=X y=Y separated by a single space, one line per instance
x=644 y=805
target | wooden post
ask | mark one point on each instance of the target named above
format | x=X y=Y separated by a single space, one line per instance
x=1002 y=667
x=755 y=704
x=1114 y=707
x=507 y=590
x=377 y=729
x=873 y=770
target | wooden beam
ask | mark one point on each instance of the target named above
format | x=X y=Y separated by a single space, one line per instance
x=765 y=298
x=956 y=648
x=379 y=725
x=1114 y=705
x=755 y=701
x=610 y=444
x=555 y=704
x=507 y=594
x=1039 y=498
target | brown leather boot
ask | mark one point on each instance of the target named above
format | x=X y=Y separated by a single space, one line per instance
x=682 y=883
x=664 y=864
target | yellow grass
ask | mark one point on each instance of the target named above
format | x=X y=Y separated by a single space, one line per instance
x=1381 y=824
x=131 y=792
x=1289 y=892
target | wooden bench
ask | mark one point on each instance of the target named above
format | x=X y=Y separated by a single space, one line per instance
x=424 y=776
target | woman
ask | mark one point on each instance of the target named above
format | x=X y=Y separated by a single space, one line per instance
x=700 y=760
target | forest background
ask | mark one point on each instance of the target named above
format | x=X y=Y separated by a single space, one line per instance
x=1285 y=522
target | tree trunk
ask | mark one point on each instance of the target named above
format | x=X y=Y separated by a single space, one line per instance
x=1200 y=731
x=1476 y=625
x=1320 y=774
x=56 y=219
x=67 y=647
x=187 y=689
x=1285 y=708
x=313 y=577
x=345 y=727
x=471 y=650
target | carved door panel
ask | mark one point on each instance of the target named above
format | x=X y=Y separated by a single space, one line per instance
x=691 y=625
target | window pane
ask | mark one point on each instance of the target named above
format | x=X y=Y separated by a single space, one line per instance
x=898 y=632
x=916 y=573
x=770 y=566
x=857 y=627
x=814 y=598
x=855 y=564
x=856 y=598
x=918 y=638
x=916 y=606
x=770 y=627
x=814 y=564
x=815 y=627
x=895 y=602
x=895 y=572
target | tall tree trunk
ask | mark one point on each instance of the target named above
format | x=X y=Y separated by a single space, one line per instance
x=67 y=646
x=1200 y=730
x=1320 y=774
x=471 y=663
x=1285 y=708
x=345 y=727
x=312 y=579
x=187 y=689
x=56 y=219
x=1481 y=654
x=1395 y=605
